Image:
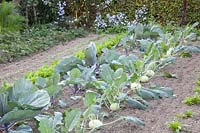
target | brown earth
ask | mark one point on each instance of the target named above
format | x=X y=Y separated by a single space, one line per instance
x=159 y=112
x=162 y=111
x=14 y=70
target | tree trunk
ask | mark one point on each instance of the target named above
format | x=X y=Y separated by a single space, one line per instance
x=183 y=19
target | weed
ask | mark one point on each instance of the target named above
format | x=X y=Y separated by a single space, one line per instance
x=175 y=125
x=186 y=115
x=191 y=100
x=197 y=89
x=198 y=82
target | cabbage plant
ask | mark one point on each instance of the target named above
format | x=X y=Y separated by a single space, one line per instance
x=20 y=102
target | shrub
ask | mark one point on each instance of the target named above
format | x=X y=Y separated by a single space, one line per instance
x=10 y=20
x=163 y=11
x=83 y=13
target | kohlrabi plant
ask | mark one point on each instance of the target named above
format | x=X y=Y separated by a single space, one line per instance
x=111 y=84
x=50 y=124
x=138 y=32
x=77 y=72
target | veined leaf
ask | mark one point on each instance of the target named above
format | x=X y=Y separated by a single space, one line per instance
x=109 y=56
x=134 y=77
x=68 y=64
x=22 y=129
x=72 y=118
x=192 y=49
x=191 y=36
x=118 y=73
x=145 y=94
x=18 y=115
x=185 y=54
x=21 y=88
x=38 y=99
x=135 y=103
x=3 y=104
x=90 y=98
x=41 y=82
x=45 y=126
x=139 y=30
x=106 y=73
x=75 y=73
x=48 y=124
x=90 y=55
x=134 y=120
x=53 y=90
x=162 y=92
x=167 y=90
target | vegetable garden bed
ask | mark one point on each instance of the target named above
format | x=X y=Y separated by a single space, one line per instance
x=114 y=88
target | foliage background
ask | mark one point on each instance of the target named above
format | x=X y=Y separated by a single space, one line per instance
x=163 y=11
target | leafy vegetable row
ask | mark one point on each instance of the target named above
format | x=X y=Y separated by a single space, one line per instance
x=109 y=80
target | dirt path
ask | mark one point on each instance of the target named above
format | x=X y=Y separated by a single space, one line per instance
x=14 y=70
x=162 y=111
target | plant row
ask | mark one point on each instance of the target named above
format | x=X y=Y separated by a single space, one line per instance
x=109 y=81
x=14 y=45
x=48 y=70
x=177 y=124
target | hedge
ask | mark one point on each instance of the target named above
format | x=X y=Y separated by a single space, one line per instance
x=163 y=11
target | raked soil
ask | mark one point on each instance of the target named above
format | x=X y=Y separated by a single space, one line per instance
x=162 y=111
x=14 y=70
x=159 y=112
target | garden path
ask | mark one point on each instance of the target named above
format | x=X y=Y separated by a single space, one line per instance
x=14 y=70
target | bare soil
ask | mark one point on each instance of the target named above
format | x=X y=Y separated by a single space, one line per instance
x=159 y=112
x=14 y=70
x=162 y=111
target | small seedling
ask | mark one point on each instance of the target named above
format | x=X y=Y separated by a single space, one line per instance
x=198 y=82
x=175 y=125
x=191 y=100
x=197 y=89
x=186 y=115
